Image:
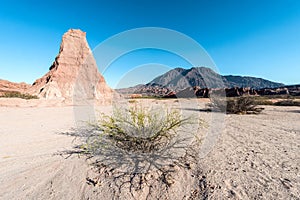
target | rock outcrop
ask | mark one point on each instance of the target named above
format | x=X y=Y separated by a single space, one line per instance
x=196 y=91
x=236 y=91
x=8 y=87
x=294 y=90
x=73 y=74
x=273 y=91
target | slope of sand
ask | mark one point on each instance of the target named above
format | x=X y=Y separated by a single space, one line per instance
x=255 y=157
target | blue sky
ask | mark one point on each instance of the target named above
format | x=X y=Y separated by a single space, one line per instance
x=249 y=37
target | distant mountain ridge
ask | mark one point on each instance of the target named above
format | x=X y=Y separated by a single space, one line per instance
x=248 y=81
x=179 y=79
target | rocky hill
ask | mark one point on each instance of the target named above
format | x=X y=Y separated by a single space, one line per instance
x=8 y=87
x=253 y=82
x=179 y=78
x=201 y=81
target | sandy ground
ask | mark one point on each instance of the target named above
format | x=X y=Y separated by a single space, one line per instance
x=255 y=156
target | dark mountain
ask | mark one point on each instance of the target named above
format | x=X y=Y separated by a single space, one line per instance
x=179 y=78
x=246 y=81
x=194 y=81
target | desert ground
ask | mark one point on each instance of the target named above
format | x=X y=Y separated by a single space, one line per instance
x=253 y=157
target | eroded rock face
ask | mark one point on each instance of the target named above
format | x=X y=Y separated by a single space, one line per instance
x=275 y=91
x=7 y=86
x=74 y=72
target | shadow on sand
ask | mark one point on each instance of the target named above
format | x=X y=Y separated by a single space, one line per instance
x=135 y=169
x=202 y=110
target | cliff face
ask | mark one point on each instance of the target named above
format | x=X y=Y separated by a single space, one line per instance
x=74 y=72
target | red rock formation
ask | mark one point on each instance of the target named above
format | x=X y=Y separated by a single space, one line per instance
x=74 y=72
x=7 y=86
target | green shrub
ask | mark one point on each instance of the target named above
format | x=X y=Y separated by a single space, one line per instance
x=139 y=142
x=137 y=129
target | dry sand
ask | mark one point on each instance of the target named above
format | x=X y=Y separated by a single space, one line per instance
x=255 y=157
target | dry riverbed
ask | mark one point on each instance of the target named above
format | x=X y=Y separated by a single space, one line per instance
x=254 y=157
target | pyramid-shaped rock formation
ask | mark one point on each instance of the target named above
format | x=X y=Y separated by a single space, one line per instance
x=73 y=74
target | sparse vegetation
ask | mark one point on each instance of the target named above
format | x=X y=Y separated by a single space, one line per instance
x=132 y=143
x=287 y=103
x=137 y=129
x=243 y=105
x=132 y=101
x=240 y=105
x=263 y=102
x=248 y=105
x=283 y=100
x=283 y=96
x=18 y=95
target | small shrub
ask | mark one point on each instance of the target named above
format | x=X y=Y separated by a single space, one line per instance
x=139 y=142
x=137 y=129
x=243 y=105
x=287 y=103
x=240 y=105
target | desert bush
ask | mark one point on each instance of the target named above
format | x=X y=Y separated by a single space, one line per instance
x=243 y=105
x=287 y=103
x=137 y=129
x=240 y=105
x=139 y=146
x=18 y=95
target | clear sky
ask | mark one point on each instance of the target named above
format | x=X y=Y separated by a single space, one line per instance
x=244 y=37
